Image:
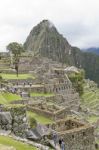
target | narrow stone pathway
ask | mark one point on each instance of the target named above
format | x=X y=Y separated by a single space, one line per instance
x=52 y=144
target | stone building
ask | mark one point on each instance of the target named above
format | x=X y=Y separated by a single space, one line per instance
x=53 y=112
x=76 y=135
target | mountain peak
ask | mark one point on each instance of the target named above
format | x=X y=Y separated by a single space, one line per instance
x=45 y=40
x=47 y=23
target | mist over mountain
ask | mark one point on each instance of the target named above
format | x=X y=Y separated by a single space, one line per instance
x=45 y=40
x=94 y=50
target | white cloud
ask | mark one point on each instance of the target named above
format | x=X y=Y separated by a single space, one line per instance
x=77 y=20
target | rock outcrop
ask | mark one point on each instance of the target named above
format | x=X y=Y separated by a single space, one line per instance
x=5 y=120
x=14 y=119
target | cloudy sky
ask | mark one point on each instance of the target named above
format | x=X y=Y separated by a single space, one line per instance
x=77 y=20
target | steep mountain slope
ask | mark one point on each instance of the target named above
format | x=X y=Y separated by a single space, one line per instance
x=89 y=62
x=45 y=40
x=90 y=96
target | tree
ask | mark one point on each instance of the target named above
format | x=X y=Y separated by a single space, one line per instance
x=16 y=49
x=77 y=80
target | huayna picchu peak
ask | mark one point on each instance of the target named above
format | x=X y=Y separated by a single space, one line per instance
x=45 y=40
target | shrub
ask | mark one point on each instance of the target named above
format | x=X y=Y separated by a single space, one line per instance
x=32 y=122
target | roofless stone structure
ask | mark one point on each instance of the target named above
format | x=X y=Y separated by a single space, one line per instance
x=77 y=135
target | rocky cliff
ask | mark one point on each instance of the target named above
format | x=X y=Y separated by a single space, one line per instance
x=45 y=40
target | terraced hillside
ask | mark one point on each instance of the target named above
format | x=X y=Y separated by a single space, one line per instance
x=90 y=98
x=6 y=97
x=4 y=63
x=39 y=118
x=90 y=104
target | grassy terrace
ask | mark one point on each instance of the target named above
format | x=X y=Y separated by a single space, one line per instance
x=90 y=98
x=39 y=118
x=42 y=94
x=14 y=76
x=16 y=144
x=6 y=97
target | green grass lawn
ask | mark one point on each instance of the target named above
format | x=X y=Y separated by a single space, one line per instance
x=16 y=144
x=39 y=118
x=6 y=97
x=14 y=76
x=42 y=94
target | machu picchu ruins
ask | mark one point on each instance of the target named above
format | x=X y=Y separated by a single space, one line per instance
x=43 y=94
x=48 y=92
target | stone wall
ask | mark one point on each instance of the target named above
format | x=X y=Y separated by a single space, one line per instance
x=30 y=100
x=20 y=124
x=21 y=81
x=28 y=87
x=14 y=119
x=5 y=121
x=79 y=139
x=64 y=125
x=60 y=114
x=69 y=100
x=24 y=102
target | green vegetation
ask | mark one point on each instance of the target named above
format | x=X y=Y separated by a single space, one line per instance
x=92 y=66
x=16 y=144
x=32 y=121
x=77 y=80
x=14 y=106
x=97 y=141
x=42 y=94
x=90 y=98
x=39 y=118
x=16 y=49
x=6 y=97
x=14 y=76
x=92 y=118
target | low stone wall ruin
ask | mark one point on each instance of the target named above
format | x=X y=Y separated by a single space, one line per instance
x=53 y=115
x=63 y=125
